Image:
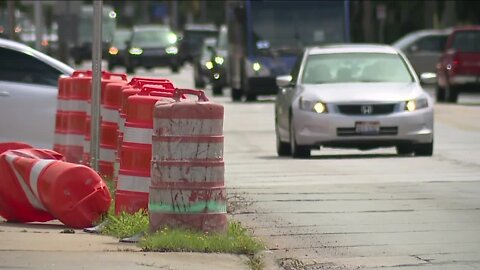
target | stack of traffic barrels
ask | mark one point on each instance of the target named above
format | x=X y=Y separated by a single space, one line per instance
x=164 y=150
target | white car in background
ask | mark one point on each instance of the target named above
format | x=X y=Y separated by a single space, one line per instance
x=352 y=96
x=28 y=94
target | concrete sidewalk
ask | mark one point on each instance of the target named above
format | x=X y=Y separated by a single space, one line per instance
x=44 y=246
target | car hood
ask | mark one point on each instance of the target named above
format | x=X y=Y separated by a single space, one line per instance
x=361 y=92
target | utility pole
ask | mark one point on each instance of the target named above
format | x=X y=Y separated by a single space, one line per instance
x=39 y=26
x=96 y=83
x=11 y=19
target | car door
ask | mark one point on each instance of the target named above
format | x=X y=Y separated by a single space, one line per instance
x=28 y=98
x=424 y=53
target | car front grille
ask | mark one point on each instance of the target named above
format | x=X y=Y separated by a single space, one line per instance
x=366 y=109
x=384 y=131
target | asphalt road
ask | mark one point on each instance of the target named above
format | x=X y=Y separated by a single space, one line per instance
x=348 y=209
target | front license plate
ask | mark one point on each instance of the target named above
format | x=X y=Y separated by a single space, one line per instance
x=370 y=128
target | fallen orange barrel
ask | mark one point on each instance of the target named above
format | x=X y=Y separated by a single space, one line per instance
x=187 y=183
x=36 y=185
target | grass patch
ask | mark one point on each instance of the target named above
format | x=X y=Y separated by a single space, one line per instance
x=125 y=224
x=237 y=240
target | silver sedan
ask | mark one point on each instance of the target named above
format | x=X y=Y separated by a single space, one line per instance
x=353 y=96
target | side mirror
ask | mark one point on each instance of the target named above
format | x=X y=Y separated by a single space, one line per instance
x=428 y=78
x=284 y=81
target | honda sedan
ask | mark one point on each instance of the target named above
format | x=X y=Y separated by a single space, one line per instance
x=353 y=96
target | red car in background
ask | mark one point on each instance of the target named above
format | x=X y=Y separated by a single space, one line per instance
x=458 y=69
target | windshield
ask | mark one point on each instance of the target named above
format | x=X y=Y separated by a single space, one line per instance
x=466 y=41
x=355 y=67
x=194 y=39
x=151 y=38
x=120 y=38
x=294 y=24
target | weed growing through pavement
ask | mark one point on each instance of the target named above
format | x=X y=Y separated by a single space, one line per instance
x=237 y=239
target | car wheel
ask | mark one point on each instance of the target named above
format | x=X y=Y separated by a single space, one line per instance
x=424 y=149
x=236 y=94
x=217 y=90
x=297 y=151
x=451 y=94
x=440 y=94
x=283 y=148
x=174 y=68
x=251 y=97
x=404 y=149
x=130 y=69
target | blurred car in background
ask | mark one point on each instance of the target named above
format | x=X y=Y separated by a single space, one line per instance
x=423 y=48
x=352 y=96
x=152 y=46
x=203 y=63
x=117 y=51
x=219 y=72
x=28 y=94
x=458 y=69
x=192 y=40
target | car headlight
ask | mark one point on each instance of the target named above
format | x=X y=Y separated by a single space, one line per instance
x=416 y=104
x=256 y=66
x=172 y=38
x=113 y=51
x=313 y=106
x=209 y=65
x=135 y=51
x=171 y=50
x=219 y=60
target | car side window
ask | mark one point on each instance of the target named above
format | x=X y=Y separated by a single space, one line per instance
x=23 y=68
x=431 y=44
x=296 y=68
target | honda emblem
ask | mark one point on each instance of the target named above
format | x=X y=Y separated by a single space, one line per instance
x=366 y=109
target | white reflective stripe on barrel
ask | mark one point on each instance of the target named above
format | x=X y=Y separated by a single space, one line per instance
x=133 y=183
x=109 y=115
x=69 y=139
x=88 y=108
x=71 y=105
x=107 y=154
x=187 y=151
x=86 y=146
x=34 y=201
x=121 y=124
x=137 y=135
x=35 y=173
x=188 y=127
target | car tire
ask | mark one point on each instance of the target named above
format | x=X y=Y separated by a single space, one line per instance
x=283 y=148
x=174 y=68
x=440 y=93
x=404 y=149
x=297 y=151
x=130 y=69
x=236 y=94
x=424 y=149
x=217 y=90
x=451 y=94
x=251 y=97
